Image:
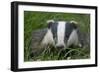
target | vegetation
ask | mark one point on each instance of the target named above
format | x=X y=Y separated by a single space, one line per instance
x=36 y=20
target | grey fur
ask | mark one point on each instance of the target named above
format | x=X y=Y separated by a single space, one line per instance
x=84 y=39
x=37 y=37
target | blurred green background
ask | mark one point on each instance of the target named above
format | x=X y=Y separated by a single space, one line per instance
x=35 y=20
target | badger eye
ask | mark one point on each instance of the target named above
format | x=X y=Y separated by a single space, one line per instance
x=65 y=40
x=55 y=39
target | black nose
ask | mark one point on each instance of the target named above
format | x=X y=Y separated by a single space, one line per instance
x=60 y=47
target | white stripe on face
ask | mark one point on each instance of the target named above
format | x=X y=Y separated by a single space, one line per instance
x=60 y=33
x=48 y=38
x=73 y=39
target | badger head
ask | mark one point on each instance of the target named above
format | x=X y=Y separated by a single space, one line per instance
x=61 y=34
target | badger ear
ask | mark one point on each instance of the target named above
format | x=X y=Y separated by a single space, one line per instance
x=50 y=22
x=74 y=23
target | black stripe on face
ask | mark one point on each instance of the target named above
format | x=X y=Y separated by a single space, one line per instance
x=54 y=31
x=68 y=30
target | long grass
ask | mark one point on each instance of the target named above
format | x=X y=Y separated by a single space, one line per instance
x=37 y=20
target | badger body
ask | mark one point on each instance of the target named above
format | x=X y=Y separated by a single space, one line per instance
x=61 y=34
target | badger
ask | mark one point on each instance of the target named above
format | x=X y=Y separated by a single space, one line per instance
x=61 y=34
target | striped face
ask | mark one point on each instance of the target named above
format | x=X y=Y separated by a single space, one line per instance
x=60 y=34
x=63 y=33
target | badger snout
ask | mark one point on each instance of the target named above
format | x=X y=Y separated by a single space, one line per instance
x=60 y=46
